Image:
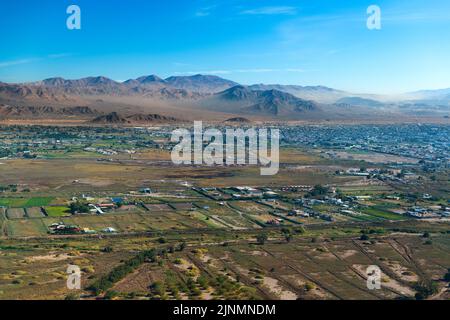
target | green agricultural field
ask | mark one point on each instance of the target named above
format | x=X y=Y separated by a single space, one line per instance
x=379 y=213
x=12 y=202
x=57 y=211
x=70 y=154
x=38 y=201
x=25 y=202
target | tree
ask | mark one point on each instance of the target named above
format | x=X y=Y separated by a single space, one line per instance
x=72 y=296
x=447 y=276
x=364 y=237
x=111 y=294
x=78 y=207
x=424 y=290
x=261 y=238
x=318 y=190
x=162 y=240
x=203 y=282
x=401 y=174
x=287 y=234
x=182 y=246
x=288 y=237
x=158 y=288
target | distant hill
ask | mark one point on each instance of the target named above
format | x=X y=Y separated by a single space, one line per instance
x=237 y=120
x=150 y=118
x=115 y=118
x=111 y=118
x=150 y=79
x=146 y=81
x=84 y=86
x=31 y=92
x=166 y=93
x=359 y=102
x=319 y=94
x=440 y=94
x=12 y=112
x=272 y=102
x=201 y=83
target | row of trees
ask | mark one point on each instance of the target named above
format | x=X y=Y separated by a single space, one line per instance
x=287 y=233
x=118 y=273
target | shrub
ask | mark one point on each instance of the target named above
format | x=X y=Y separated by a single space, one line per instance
x=424 y=290
x=364 y=237
x=447 y=276
x=111 y=294
x=309 y=286
x=72 y=296
x=261 y=238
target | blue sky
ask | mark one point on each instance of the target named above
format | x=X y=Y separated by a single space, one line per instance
x=313 y=42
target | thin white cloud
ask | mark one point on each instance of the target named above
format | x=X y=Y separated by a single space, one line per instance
x=280 y=10
x=259 y=70
x=59 y=55
x=270 y=70
x=203 y=72
x=254 y=70
x=416 y=16
x=181 y=64
x=11 y=63
x=5 y=64
x=294 y=70
x=204 y=12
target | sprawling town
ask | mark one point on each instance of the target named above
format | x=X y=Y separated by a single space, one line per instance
x=342 y=192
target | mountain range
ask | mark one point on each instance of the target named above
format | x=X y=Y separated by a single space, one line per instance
x=153 y=99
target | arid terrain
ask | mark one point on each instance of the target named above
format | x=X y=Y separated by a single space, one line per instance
x=109 y=200
x=150 y=99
